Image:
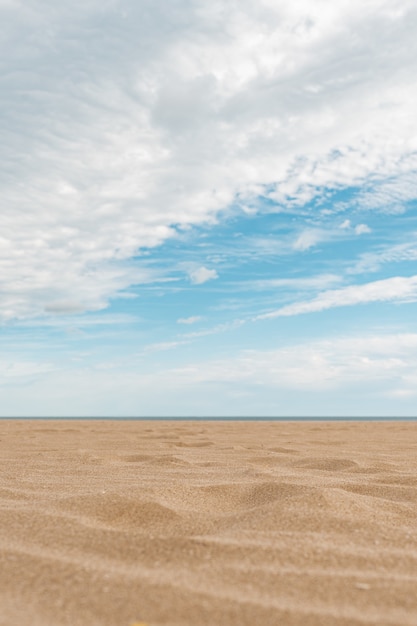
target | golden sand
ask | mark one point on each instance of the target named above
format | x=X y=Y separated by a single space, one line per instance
x=106 y=523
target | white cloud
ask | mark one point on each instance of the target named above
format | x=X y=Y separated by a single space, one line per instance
x=189 y=320
x=202 y=275
x=389 y=361
x=78 y=321
x=372 y=374
x=398 y=288
x=390 y=195
x=125 y=120
x=57 y=283
x=214 y=330
x=22 y=370
x=362 y=229
x=161 y=346
x=372 y=261
x=308 y=283
x=307 y=239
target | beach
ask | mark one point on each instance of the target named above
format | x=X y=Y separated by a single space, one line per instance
x=214 y=523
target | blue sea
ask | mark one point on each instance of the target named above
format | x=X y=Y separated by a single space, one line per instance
x=228 y=418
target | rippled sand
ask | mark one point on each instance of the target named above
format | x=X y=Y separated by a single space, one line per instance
x=208 y=523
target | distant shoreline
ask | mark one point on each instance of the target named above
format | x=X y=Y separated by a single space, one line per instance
x=205 y=418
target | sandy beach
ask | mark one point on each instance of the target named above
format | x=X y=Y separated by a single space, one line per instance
x=158 y=523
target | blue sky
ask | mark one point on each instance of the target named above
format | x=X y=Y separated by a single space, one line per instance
x=208 y=208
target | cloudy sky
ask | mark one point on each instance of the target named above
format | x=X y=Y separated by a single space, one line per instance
x=208 y=208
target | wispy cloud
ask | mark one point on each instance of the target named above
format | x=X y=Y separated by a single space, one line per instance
x=386 y=360
x=201 y=275
x=390 y=195
x=373 y=261
x=345 y=225
x=81 y=321
x=161 y=346
x=193 y=319
x=398 y=288
x=17 y=369
x=359 y=229
x=382 y=368
x=362 y=229
x=307 y=283
x=308 y=238
x=215 y=330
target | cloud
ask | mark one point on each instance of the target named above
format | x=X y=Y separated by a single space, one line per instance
x=189 y=320
x=308 y=283
x=389 y=195
x=18 y=370
x=161 y=346
x=387 y=361
x=362 y=229
x=202 y=275
x=372 y=261
x=215 y=330
x=63 y=307
x=398 y=288
x=54 y=283
x=370 y=373
x=307 y=239
x=124 y=122
x=78 y=321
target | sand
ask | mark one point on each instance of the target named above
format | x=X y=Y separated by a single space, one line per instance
x=106 y=523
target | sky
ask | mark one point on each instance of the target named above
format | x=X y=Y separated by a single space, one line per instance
x=208 y=208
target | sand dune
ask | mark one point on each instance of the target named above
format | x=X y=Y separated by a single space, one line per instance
x=208 y=523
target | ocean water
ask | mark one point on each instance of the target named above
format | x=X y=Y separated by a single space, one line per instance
x=226 y=418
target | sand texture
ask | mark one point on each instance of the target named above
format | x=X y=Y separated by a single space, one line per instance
x=106 y=523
